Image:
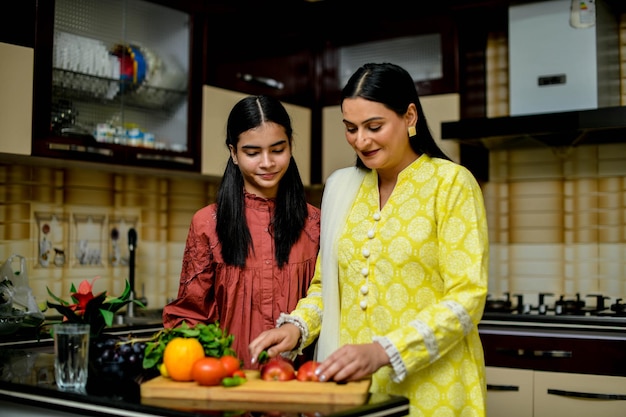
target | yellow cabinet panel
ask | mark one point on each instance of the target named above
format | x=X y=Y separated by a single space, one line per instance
x=509 y=392
x=16 y=98
x=578 y=395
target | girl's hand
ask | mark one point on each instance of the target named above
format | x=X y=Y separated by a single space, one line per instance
x=275 y=341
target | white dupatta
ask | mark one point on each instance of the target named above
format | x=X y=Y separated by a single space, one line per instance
x=339 y=193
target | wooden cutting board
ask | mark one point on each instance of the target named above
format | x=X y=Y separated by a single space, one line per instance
x=259 y=391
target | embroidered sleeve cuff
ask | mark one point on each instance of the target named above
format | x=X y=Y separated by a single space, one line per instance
x=301 y=325
x=397 y=364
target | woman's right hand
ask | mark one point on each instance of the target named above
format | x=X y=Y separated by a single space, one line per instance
x=275 y=341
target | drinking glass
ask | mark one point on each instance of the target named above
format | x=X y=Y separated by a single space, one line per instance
x=71 y=356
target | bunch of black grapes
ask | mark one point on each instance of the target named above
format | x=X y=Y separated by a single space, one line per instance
x=118 y=357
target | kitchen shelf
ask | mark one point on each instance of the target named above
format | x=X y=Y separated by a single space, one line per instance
x=86 y=87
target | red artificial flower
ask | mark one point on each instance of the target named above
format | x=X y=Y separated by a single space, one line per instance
x=96 y=310
x=83 y=296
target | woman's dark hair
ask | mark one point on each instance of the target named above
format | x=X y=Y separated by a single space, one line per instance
x=290 y=211
x=393 y=87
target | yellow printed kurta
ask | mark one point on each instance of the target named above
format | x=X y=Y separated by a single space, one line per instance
x=413 y=277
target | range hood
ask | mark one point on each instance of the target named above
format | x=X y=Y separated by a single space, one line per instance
x=571 y=128
x=564 y=81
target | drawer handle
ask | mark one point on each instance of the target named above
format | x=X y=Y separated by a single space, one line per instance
x=619 y=397
x=491 y=387
x=537 y=353
x=552 y=353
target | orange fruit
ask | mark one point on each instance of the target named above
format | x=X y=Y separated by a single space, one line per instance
x=179 y=356
x=231 y=364
x=208 y=371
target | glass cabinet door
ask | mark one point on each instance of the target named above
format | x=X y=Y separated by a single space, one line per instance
x=116 y=85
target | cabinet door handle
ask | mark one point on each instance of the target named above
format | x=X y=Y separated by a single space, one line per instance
x=537 y=353
x=79 y=148
x=491 y=387
x=562 y=393
x=268 y=82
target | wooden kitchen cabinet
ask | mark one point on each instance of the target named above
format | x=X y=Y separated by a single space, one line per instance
x=113 y=83
x=578 y=395
x=270 y=55
x=527 y=393
x=574 y=372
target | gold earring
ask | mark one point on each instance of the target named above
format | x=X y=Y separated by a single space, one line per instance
x=412 y=131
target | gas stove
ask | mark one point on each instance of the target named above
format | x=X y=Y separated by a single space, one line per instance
x=552 y=311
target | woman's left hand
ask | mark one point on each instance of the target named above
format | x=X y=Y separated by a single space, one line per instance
x=353 y=362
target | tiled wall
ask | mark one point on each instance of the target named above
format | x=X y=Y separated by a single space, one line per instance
x=86 y=213
x=557 y=222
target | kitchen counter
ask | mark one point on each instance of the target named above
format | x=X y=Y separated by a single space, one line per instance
x=554 y=321
x=27 y=388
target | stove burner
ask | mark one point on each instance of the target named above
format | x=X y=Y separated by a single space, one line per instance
x=561 y=307
x=574 y=307
x=499 y=306
x=618 y=308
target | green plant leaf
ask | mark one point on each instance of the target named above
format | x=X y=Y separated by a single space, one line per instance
x=57 y=299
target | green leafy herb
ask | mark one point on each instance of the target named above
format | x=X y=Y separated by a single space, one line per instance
x=214 y=340
x=263 y=357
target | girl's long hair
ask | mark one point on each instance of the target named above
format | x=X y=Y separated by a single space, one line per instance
x=291 y=209
x=393 y=87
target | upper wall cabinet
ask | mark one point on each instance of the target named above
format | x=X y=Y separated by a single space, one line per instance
x=426 y=47
x=113 y=83
x=307 y=61
x=270 y=55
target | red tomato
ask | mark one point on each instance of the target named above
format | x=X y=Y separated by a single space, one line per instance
x=306 y=371
x=231 y=364
x=208 y=371
x=240 y=373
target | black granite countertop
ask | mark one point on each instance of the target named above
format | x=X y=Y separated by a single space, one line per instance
x=27 y=379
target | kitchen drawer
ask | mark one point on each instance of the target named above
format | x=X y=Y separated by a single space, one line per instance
x=575 y=395
x=546 y=350
x=509 y=392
